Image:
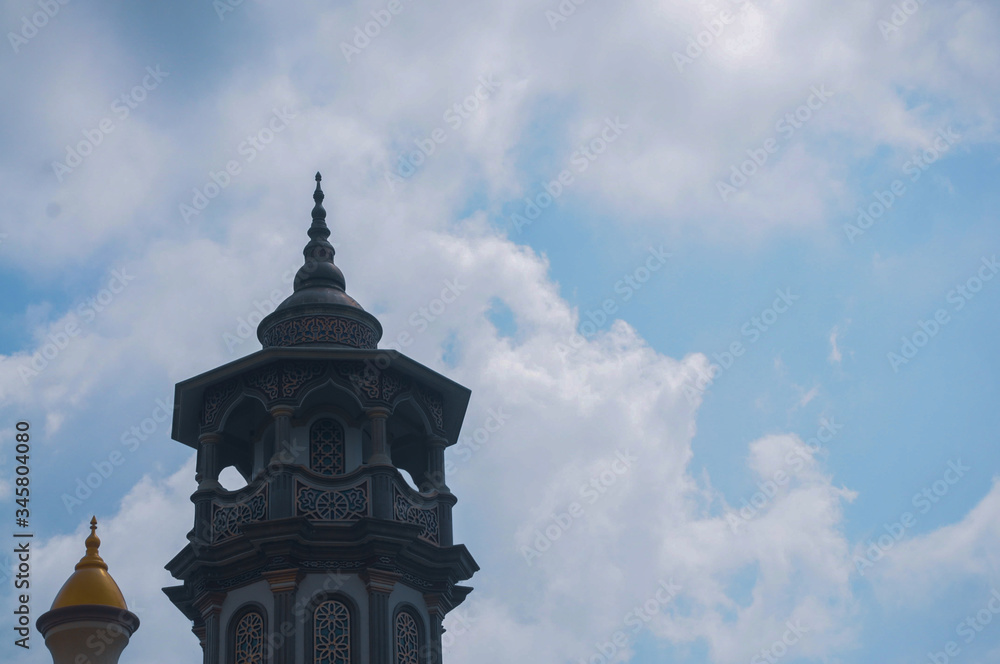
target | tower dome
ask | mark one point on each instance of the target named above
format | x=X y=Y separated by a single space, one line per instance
x=319 y=311
x=90 y=583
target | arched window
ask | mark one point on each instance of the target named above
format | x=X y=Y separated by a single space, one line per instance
x=326 y=447
x=248 y=638
x=407 y=638
x=332 y=633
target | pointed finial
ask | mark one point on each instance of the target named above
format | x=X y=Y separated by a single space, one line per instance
x=318 y=213
x=92 y=558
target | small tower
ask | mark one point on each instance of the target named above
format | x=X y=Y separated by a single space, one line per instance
x=89 y=616
x=327 y=555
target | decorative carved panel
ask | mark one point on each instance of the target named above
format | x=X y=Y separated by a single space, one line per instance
x=435 y=407
x=408 y=512
x=228 y=519
x=297 y=374
x=364 y=378
x=348 y=504
x=216 y=397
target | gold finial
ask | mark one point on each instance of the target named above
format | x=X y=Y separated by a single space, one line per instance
x=92 y=557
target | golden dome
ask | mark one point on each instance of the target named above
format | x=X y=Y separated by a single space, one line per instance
x=90 y=583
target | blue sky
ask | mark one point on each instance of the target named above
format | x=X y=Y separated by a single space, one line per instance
x=701 y=170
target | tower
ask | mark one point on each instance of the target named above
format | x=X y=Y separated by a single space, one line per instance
x=89 y=620
x=327 y=555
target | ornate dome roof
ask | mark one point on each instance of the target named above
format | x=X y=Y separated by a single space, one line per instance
x=319 y=311
x=90 y=584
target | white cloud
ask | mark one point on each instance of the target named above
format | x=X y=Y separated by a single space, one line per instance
x=835 y=357
x=920 y=569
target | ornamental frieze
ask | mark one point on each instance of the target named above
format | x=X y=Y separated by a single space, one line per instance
x=320 y=329
x=285 y=381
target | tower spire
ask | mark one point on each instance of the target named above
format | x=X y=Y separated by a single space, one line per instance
x=319 y=311
x=319 y=270
x=318 y=213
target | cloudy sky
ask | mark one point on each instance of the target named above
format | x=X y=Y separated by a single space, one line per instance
x=727 y=299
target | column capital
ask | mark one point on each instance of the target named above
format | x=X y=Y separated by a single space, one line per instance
x=200 y=632
x=380 y=581
x=283 y=580
x=209 y=604
x=282 y=410
x=378 y=412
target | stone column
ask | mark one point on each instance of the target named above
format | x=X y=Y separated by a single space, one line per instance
x=436 y=614
x=435 y=463
x=207 y=474
x=380 y=443
x=284 y=584
x=380 y=636
x=279 y=449
x=210 y=607
x=382 y=471
x=280 y=499
x=208 y=483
